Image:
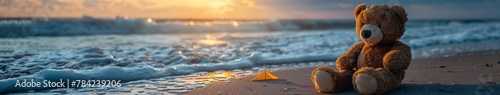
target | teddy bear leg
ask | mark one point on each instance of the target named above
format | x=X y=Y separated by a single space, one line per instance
x=327 y=80
x=368 y=80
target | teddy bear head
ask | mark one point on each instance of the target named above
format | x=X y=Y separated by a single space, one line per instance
x=379 y=24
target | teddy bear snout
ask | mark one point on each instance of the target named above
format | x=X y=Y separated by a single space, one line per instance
x=366 y=33
x=371 y=34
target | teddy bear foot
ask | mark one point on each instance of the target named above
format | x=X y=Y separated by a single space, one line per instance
x=365 y=84
x=323 y=81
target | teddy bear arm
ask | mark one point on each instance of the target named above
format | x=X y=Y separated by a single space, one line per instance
x=397 y=60
x=348 y=60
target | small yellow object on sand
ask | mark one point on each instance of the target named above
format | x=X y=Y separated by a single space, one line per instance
x=265 y=76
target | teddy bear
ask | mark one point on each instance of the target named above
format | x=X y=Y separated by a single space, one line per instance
x=375 y=65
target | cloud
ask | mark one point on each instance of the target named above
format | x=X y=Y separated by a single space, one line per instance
x=250 y=3
x=145 y=3
x=345 y=5
x=27 y=8
x=454 y=10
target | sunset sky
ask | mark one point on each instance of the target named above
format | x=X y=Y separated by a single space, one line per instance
x=243 y=9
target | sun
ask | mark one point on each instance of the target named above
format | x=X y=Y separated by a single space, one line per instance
x=219 y=3
x=219 y=7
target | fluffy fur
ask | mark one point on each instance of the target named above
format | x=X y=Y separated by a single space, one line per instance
x=386 y=61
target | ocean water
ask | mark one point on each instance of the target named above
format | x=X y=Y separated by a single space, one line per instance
x=158 y=52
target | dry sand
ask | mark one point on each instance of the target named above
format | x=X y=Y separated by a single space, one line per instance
x=464 y=74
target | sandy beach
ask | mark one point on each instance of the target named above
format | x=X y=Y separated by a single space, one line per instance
x=464 y=73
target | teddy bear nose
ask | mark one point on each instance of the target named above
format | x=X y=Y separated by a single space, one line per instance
x=366 y=33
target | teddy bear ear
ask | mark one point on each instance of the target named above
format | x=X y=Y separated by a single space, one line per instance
x=400 y=11
x=358 y=9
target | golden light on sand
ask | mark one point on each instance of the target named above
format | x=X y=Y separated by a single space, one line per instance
x=220 y=74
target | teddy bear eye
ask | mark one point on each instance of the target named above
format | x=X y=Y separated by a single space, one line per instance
x=379 y=25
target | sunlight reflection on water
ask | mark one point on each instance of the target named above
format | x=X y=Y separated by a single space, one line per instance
x=213 y=42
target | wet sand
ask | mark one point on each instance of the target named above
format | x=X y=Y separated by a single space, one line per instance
x=464 y=73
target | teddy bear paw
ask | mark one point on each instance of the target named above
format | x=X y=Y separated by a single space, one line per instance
x=365 y=84
x=323 y=81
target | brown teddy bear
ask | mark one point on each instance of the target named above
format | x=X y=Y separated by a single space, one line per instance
x=378 y=63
